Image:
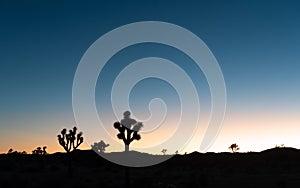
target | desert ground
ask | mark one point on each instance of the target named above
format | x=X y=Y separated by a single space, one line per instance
x=277 y=167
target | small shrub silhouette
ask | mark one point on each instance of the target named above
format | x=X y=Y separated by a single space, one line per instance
x=280 y=146
x=164 y=151
x=234 y=148
x=11 y=151
x=70 y=142
x=100 y=146
x=176 y=152
x=128 y=130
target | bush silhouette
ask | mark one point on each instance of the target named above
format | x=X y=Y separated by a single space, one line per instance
x=280 y=146
x=164 y=151
x=100 y=146
x=11 y=151
x=234 y=148
x=128 y=130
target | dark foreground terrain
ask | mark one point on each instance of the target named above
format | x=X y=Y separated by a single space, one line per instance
x=278 y=167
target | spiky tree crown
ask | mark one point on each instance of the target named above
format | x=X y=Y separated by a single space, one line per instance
x=128 y=134
x=70 y=141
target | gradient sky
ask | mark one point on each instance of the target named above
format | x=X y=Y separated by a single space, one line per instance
x=256 y=43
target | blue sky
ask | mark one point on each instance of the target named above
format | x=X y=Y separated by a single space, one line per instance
x=256 y=43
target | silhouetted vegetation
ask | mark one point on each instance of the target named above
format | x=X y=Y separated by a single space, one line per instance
x=279 y=146
x=70 y=142
x=128 y=130
x=234 y=147
x=11 y=151
x=164 y=151
x=100 y=146
x=40 y=151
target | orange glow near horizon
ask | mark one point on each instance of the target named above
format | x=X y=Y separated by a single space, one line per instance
x=255 y=132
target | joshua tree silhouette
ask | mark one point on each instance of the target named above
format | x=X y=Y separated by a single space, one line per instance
x=39 y=151
x=234 y=148
x=164 y=151
x=100 y=146
x=70 y=141
x=128 y=129
x=176 y=152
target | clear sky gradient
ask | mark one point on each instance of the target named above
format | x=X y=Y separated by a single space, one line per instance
x=256 y=43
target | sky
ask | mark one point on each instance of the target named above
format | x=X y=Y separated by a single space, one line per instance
x=256 y=44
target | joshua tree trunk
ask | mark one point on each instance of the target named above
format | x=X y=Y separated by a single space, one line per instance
x=126 y=148
x=70 y=170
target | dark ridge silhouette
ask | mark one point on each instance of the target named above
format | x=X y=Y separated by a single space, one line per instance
x=194 y=153
x=140 y=159
x=128 y=130
x=282 y=150
x=276 y=167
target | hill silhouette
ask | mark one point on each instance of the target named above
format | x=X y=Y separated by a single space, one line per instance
x=277 y=167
